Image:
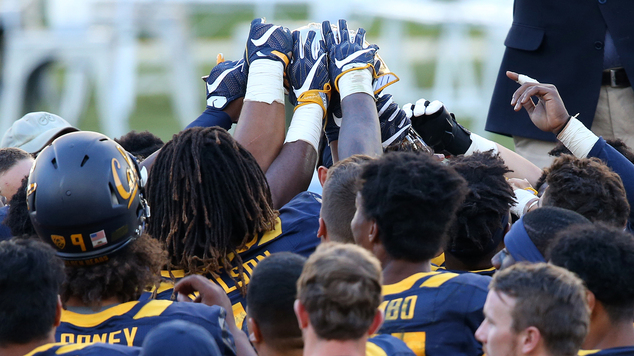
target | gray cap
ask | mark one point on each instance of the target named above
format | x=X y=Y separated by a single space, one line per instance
x=34 y=130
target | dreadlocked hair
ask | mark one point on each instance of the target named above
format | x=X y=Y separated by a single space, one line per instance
x=209 y=198
x=488 y=200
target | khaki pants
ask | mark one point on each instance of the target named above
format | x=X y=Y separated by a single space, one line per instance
x=614 y=118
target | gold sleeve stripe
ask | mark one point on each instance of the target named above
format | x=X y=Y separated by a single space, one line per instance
x=372 y=349
x=91 y=320
x=405 y=284
x=153 y=308
x=438 y=280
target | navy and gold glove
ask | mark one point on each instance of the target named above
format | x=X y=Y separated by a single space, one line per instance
x=346 y=54
x=308 y=71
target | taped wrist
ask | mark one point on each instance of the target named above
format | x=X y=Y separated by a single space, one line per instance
x=265 y=81
x=355 y=81
x=523 y=198
x=481 y=144
x=306 y=125
x=577 y=138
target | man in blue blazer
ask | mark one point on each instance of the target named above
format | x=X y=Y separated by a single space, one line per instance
x=585 y=48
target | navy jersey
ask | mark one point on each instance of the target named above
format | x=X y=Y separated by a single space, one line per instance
x=387 y=345
x=616 y=351
x=129 y=323
x=436 y=313
x=84 y=350
x=295 y=231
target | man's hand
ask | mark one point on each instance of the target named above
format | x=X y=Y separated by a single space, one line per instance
x=209 y=294
x=346 y=54
x=308 y=71
x=226 y=82
x=268 y=41
x=438 y=127
x=549 y=114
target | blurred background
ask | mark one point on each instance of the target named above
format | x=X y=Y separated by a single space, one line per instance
x=117 y=65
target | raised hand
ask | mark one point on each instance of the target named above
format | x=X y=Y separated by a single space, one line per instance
x=346 y=53
x=268 y=41
x=308 y=70
x=438 y=127
x=549 y=114
x=226 y=82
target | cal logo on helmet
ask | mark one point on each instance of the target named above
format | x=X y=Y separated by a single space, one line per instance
x=59 y=241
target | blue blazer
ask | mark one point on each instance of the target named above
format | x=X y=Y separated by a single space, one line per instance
x=560 y=42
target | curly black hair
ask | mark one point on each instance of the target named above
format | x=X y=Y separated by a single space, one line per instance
x=560 y=150
x=479 y=217
x=140 y=144
x=413 y=200
x=589 y=187
x=124 y=277
x=603 y=257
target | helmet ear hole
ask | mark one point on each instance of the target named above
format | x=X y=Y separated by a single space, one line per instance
x=114 y=199
x=54 y=162
x=86 y=158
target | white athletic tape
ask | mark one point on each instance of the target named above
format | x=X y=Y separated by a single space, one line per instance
x=523 y=197
x=306 y=125
x=481 y=144
x=265 y=82
x=577 y=138
x=525 y=79
x=356 y=81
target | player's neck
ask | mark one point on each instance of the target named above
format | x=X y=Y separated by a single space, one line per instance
x=454 y=264
x=604 y=334
x=315 y=346
x=264 y=350
x=397 y=270
x=77 y=302
x=23 y=349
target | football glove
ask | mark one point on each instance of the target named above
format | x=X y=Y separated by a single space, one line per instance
x=226 y=82
x=346 y=53
x=438 y=127
x=268 y=41
x=308 y=70
x=383 y=77
x=394 y=122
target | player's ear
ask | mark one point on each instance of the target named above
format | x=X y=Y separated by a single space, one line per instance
x=301 y=313
x=530 y=339
x=58 y=312
x=373 y=235
x=255 y=335
x=376 y=322
x=592 y=301
x=322 y=172
x=322 y=231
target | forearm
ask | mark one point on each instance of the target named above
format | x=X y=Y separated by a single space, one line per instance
x=360 y=131
x=261 y=125
x=291 y=173
x=520 y=166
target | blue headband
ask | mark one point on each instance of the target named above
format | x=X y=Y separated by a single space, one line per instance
x=520 y=245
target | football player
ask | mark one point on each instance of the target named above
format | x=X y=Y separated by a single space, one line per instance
x=30 y=307
x=483 y=219
x=603 y=257
x=537 y=309
x=272 y=323
x=85 y=198
x=404 y=207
